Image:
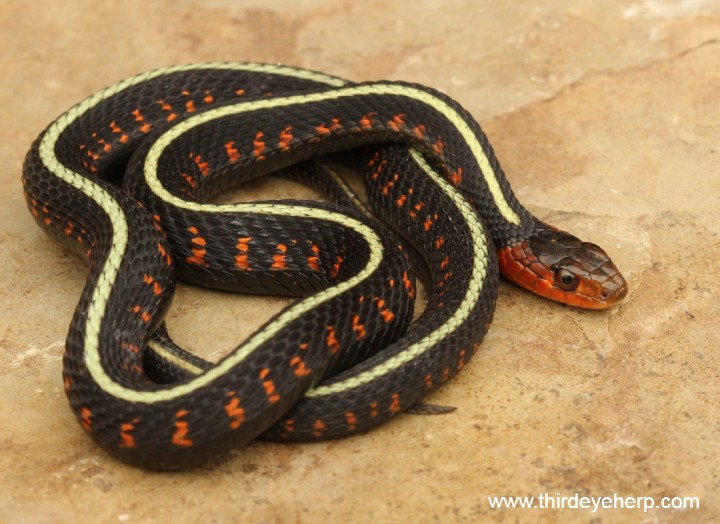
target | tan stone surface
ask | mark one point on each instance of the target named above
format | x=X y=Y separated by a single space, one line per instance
x=606 y=116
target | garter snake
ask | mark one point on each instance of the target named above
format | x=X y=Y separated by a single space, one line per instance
x=124 y=178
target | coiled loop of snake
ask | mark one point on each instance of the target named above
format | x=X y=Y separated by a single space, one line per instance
x=186 y=133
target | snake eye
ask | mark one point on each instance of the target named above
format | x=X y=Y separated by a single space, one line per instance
x=566 y=280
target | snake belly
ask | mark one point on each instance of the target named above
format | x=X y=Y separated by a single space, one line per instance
x=186 y=133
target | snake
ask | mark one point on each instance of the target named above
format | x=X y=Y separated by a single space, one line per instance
x=131 y=177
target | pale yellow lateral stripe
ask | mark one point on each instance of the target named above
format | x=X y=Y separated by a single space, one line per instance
x=167 y=356
x=472 y=295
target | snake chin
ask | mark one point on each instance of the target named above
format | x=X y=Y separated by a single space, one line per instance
x=559 y=266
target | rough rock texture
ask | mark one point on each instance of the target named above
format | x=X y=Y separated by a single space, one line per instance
x=606 y=117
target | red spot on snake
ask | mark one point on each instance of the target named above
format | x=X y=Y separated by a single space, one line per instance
x=335 y=271
x=351 y=420
x=395 y=403
x=235 y=412
x=269 y=386
x=428 y=380
x=456 y=177
x=86 y=418
x=127 y=440
x=179 y=438
x=331 y=340
x=397 y=122
x=259 y=146
x=232 y=153
x=279 y=258
x=366 y=121
x=204 y=167
x=314 y=260
x=374 y=409
x=286 y=137
x=299 y=367
x=409 y=286
x=358 y=328
x=139 y=118
x=318 y=428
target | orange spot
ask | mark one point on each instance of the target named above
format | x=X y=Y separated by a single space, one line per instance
x=279 y=258
x=259 y=146
x=367 y=120
x=204 y=167
x=401 y=200
x=379 y=169
x=179 y=438
x=298 y=365
x=285 y=137
x=145 y=127
x=351 y=420
x=232 y=153
x=438 y=147
x=190 y=106
x=461 y=360
x=313 y=261
x=456 y=177
x=409 y=286
x=240 y=92
x=198 y=257
x=322 y=130
x=335 y=271
x=395 y=403
x=86 y=418
x=385 y=313
x=164 y=254
x=374 y=409
x=190 y=180
x=47 y=221
x=234 y=411
x=428 y=380
x=269 y=386
x=446 y=374
x=318 y=428
x=397 y=122
x=209 y=99
x=391 y=183
x=444 y=262
x=167 y=107
x=439 y=242
x=358 y=328
x=288 y=426
x=241 y=260
x=127 y=440
x=430 y=221
x=67 y=383
x=331 y=340
x=419 y=131
x=199 y=241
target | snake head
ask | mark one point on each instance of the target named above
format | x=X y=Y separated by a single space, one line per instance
x=558 y=266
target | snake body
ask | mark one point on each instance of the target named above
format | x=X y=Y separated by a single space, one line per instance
x=125 y=177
